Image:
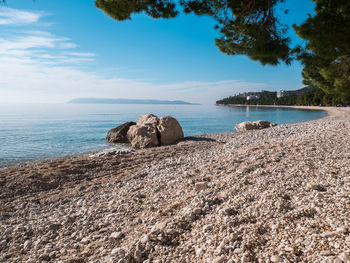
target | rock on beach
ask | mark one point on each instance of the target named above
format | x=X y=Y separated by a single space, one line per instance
x=144 y=136
x=118 y=134
x=150 y=131
x=253 y=125
x=169 y=130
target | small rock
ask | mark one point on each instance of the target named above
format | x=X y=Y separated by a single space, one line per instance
x=275 y=258
x=199 y=252
x=219 y=259
x=325 y=252
x=26 y=245
x=85 y=240
x=318 y=187
x=138 y=256
x=200 y=186
x=288 y=249
x=116 y=235
x=245 y=258
x=341 y=230
x=144 y=239
x=117 y=251
x=328 y=234
x=345 y=256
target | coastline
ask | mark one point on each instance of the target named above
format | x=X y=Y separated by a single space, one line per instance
x=331 y=111
x=278 y=193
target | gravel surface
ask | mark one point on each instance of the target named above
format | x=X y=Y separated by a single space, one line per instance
x=275 y=195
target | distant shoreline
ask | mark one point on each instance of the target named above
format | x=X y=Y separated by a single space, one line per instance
x=128 y=101
x=331 y=111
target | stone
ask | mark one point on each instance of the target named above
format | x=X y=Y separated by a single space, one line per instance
x=26 y=245
x=138 y=256
x=245 y=258
x=116 y=235
x=345 y=256
x=288 y=249
x=148 y=119
x=329 y=234
x=200 y=186
x=253 y=125
x=169 y=130
x=275 y=259
x=144 y=239
x=238 y=251
x=85 y=240
x=219 y=259
x=117 y=251
x=318 y=187
x=118 y=134
x=341 y=230
x=199 y=252
x=142 y=137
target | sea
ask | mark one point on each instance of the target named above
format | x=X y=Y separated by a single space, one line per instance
x=31 y=132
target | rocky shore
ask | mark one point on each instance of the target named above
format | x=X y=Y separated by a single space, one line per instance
x=280 y=194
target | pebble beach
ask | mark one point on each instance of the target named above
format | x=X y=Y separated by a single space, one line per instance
x=280 y=194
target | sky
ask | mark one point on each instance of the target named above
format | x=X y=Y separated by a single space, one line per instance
x=54 y=50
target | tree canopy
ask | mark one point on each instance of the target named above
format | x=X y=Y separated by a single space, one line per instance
x=252 y=28
x=327 y=53
x=246 y=27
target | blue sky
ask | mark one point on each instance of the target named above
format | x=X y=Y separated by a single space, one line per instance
x=52 y=51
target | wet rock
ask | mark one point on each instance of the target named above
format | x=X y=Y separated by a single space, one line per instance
x=118 y=134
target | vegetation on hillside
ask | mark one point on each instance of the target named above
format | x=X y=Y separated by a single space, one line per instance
x=313 y=97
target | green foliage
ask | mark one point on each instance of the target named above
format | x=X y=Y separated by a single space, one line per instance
x=313 y=97
x=247 y=27
x=122 y=10
x=326 y=56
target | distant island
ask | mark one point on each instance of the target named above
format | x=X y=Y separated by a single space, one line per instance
x=127 y=101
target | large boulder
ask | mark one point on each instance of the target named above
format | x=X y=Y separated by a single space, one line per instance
x=253 y=125
x=148 y=119
x=118 y=134
x=169 y=130
x=143 y=136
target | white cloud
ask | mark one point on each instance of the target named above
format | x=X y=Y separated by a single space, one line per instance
x=10 y=16
x=42 y=83
x=41 y=47
x=37 y=66
x=67 y=45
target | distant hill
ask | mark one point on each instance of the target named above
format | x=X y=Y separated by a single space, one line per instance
x=127 y=101
x=305 y=96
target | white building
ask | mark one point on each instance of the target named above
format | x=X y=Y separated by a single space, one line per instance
x=281 y=93
x=252 y=97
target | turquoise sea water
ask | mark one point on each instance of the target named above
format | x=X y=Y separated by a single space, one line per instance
x=33 y=132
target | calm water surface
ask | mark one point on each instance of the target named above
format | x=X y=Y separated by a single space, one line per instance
x=33 y=132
